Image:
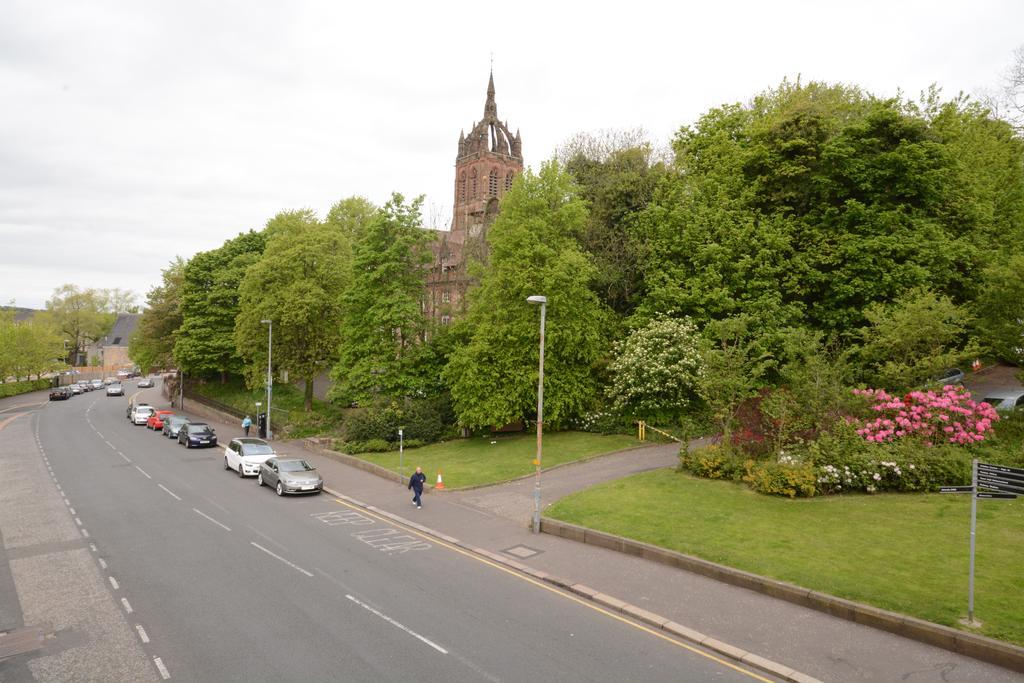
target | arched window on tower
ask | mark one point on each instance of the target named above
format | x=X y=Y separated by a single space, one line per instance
x=472 y=183
x=492 y=182
x=462 y=186
x=508 y=180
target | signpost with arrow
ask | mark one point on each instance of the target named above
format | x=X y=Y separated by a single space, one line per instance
x=1000 y=483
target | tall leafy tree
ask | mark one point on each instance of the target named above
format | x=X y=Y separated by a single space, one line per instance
x=152 y=344
x=205 y=342
x=351 y=215
x=1000 y=309
x=81 y=316
x=383 y=320
x=299 y=284
x=533 y=250
x=29 y=347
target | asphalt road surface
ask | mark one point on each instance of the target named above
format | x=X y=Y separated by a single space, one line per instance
x=219 y=579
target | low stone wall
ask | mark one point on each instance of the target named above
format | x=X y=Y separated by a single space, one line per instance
x=969 y=644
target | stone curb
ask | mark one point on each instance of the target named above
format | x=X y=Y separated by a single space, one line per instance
x=632 y=611
x=962 y=642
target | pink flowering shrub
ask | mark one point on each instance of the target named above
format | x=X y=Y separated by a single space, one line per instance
x=946 y=416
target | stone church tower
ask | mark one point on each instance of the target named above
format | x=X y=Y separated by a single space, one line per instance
x=487 y=161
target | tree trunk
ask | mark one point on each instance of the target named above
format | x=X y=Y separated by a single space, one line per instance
x=309 y=395
x=223 y=376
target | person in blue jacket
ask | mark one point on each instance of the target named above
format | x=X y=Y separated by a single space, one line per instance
x=246 y=423
x=416 y=484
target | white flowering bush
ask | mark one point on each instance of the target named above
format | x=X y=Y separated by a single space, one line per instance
x=656 y=369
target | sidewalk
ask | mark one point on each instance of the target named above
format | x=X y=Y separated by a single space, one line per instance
x=811 y=642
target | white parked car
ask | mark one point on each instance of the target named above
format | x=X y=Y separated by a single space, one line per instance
x=140 y=415
x=245 y=455
x=115 y=389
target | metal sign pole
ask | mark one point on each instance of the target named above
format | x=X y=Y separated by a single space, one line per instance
x=401 y=454
x=974 y=525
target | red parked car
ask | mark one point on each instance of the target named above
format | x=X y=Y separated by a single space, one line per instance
x=156 y=420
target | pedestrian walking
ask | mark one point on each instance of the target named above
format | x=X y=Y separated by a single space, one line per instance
x=416 y=484
x=246 y=423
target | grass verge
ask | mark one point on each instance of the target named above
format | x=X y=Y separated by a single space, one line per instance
x=288 y=408
x=491 y=459
x=902 y=552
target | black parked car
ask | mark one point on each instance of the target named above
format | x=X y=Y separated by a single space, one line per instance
x=60 y=394
x=196 y=434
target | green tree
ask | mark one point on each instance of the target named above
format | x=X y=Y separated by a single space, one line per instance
x=152 y=344
x=533 y=250
x=1000 y=309
x=735 y=366
x=298 y=283
x=205 y=342
x=81 y=316
x=913 y=339
x=29 y=347
x=656 y=370
x=383 y=320
x=351 y=216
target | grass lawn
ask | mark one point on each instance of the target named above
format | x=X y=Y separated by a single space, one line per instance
x=477 y=461
x=903 y=552
x=288 y=406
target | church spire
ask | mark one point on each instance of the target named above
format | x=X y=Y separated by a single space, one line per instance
x=491 y=107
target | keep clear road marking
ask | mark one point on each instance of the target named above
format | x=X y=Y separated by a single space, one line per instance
x=172 y=493
x=144 y=473
x=164 y=673
x=395 y=623
x=198 y=512
x=275 y=555
x=551 y=589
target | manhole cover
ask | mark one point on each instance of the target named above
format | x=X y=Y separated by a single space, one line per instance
x=521 y=551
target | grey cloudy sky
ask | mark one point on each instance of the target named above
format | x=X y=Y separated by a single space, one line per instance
x=131 y=132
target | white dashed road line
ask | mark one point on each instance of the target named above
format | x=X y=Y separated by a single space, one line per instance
x=143 y=636
x=103 y=563
x=398 y=625
x=144 y=473
x=222 y=526
x=172 y=493
x=275 y=555
x=164 y=673
x=85 y=534
x=114 y=583
x=126 y=458
x=127 y=606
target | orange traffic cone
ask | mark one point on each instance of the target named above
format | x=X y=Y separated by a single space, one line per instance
x=440 y=484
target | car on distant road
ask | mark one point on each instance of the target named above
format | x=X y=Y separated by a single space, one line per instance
x=140 y=415
x=145 y=383
x=60 y=394
x=197 y=434
x=156 y=420
x=84 y=384
x=1006 y=400
x=172 y=425
x=949 y=376
x=97 y=384
x=109 y=380
x=75 y=389
x=115 y=389
x=246 y=454
x=290 y=475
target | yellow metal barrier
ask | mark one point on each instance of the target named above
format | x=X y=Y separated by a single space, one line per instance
x=642 y=432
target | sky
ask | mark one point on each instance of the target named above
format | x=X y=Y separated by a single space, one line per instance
x=133 y=132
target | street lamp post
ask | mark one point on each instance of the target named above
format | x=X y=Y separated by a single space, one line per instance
x=543 y=302
x=270 y=375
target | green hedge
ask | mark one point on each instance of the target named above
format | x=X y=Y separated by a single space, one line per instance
x=15 y=388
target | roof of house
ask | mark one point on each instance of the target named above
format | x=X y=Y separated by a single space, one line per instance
x=122 y=330
x=20 y=314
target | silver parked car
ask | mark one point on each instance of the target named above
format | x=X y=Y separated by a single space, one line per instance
x=172 y=425
x=1005 y=401
x=290 y=475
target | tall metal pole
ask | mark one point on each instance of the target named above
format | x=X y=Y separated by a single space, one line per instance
x=401 y=454
x=974 y=525
x=270 y=373
x=181 y=391
x=540 y=421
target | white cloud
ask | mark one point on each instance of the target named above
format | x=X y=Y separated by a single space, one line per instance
x=136 y=131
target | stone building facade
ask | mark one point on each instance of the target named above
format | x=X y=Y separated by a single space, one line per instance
x=487 y=161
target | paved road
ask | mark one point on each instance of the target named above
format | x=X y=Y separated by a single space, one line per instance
x=225 y=581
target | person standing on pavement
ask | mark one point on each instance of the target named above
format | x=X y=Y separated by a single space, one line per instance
x=246 y=423
x=416 y=484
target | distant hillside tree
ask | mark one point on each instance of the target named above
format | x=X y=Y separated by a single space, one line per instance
x=152 y=343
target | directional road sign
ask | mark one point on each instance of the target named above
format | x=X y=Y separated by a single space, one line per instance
x=956 y=489
x=1000 y=496
x=1011 y=471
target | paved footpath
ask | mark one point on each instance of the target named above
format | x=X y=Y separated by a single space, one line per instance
x=811 y=642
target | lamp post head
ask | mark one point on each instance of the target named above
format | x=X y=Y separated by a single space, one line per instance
x=267 y=322
x=537 y=299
